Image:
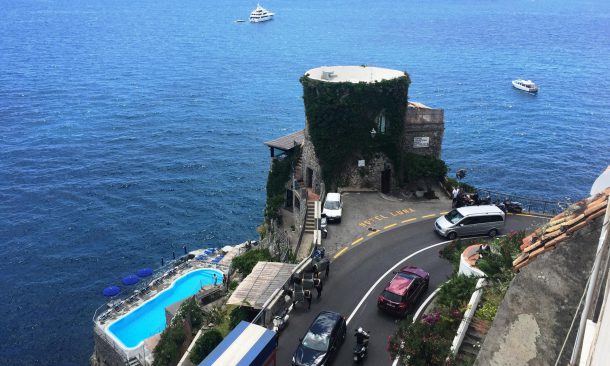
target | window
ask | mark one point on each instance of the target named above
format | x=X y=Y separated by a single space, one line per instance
x=381 y=123
x=454 y=216
x=467 y=221
x=391 y=296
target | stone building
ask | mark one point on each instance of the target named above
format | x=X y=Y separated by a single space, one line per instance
x=358 y=126
x=362 y=115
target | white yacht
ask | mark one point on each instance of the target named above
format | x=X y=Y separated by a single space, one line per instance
x=525 y=85
x=260 y=14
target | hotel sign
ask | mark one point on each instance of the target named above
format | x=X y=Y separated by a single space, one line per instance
x=419 y=142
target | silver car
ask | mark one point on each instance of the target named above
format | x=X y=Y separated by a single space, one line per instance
x=471 y=220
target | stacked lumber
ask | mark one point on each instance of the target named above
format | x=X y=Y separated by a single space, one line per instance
x=560 y=228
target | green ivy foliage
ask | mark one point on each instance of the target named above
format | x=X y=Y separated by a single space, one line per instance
x=279 y=174
x=341 y=116
x=245 y=263
x=205 y=345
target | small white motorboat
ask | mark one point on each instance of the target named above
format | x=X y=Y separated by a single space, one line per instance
x=260 y=14
x=525 y=85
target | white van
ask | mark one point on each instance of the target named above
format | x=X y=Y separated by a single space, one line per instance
x=471 y=220
x=333 y=207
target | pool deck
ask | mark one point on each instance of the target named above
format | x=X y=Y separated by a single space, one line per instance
x=117 y=309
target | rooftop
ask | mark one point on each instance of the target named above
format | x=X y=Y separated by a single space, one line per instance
x=287 y=142
x=257 y=288
x=353 y=74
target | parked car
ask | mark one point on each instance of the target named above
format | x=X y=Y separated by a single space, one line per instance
x=333 y=207
x=471 y=220
x=321 y=343
x=404 y=290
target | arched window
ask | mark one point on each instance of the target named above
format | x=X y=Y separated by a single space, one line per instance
x=381 y=122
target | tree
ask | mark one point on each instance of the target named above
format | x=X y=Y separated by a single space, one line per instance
x=205 y=345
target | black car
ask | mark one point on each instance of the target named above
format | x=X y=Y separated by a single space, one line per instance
x=322 y=340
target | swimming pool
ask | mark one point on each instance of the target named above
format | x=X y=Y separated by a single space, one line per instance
x=149 y=318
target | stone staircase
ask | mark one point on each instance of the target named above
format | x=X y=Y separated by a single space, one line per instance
x=310 y=221
x=133 y=362
x=471 y=345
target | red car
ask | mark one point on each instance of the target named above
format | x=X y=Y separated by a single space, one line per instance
x=405 y=289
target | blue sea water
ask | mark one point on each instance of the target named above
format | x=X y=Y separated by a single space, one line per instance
x=129 y=129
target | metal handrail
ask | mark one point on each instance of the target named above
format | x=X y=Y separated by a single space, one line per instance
x=530 y=205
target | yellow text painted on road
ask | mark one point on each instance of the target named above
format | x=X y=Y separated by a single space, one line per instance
x=373 y=233
x=357 y=240
x=340 y=252
x=426 y=216
x=408 y=220
x=402 y=212
x=375 y=219
x=389 y=226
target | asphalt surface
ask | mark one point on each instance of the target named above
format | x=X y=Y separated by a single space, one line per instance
x=354 y=272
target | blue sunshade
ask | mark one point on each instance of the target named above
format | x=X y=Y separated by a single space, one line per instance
x=130 y=280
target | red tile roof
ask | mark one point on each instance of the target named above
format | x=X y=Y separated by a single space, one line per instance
x=561 y=227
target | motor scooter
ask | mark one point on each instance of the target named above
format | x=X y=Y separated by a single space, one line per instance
x=510 y=206
x=362 y=345
x=280 y=321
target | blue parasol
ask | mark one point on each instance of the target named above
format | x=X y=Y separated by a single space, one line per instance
x=144 y=272
x=130 y=280
x=111 y=291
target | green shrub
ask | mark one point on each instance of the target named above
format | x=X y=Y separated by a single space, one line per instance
x=455 y=293
x=167 y=351
x=237 y=315
x=205 y=345
x=487 y=311
x=450 y=183
x=190 y=310
x=420 y=166
x=246 y=262
x=425 y=342
x=233 y=285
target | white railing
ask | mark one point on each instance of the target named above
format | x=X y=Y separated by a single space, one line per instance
x=468 y=315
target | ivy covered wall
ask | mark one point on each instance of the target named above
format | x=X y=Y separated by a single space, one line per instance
x=341 y=115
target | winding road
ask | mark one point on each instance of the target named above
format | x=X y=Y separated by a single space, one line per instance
x=359 y=275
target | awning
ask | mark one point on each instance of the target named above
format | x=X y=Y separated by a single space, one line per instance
x=265 y=278
x=247 y=344
x=287 y=142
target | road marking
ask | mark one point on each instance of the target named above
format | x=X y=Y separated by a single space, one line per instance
x=374 y=232
x=389 y=226
x=340 y=252
x=443 y=213
x=425 y=303
x=357 y=240
x=408 y=220
x=387 y=273
x=426 y=216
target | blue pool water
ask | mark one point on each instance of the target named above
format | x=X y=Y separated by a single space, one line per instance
x=149 y=319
